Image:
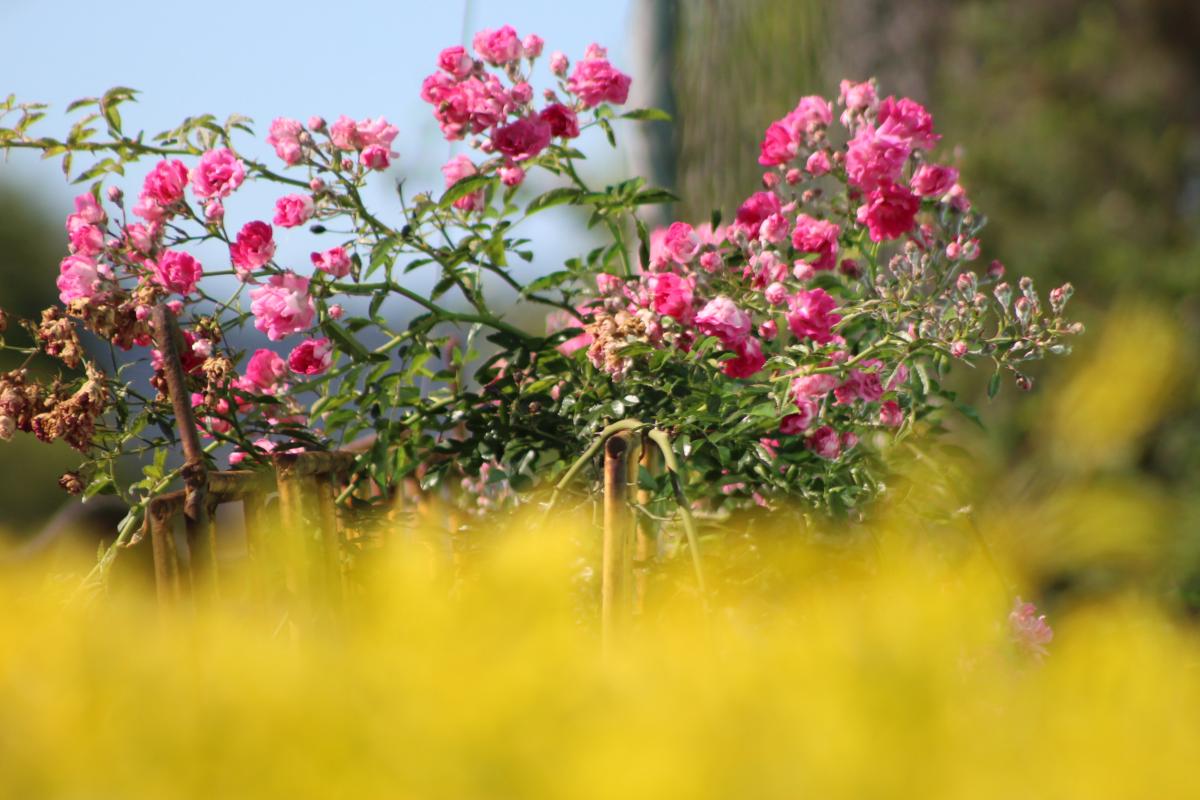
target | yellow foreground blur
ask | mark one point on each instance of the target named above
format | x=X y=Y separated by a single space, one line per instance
x=881 y=673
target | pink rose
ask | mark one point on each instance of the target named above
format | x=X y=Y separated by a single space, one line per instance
x=498 y=47
x=532 y=45
x=78 y=277
x=756 y=209
x=747 y=362
x=596 y=81
x=162 y=189
x=375 y=156
x=859 y=385
x=336 y=311
x=908 y=120
x=859 y=99
x=933 y=180
x=139 y=237
x=874 y=157
x=283 y=306
x=890 y=414
x=681 y=243
x=218 y=174
x=817 y=236
x=889 y=212
x=292 y=210
x=522 y=139
x=454 y=171
x=253 y=248
x=88 y=210
x=817 y=164
x=778 y=146
x=511 y=176
x=85 y=239
x=806 y=412
x=311 y=357
x=562 y=120
x=824 y=442
x=776 y=294
x=808 y=387
x=284 y=136
x=722 y=318
x=559 y=64
x=177 y=272
x=334 y=261
x=711 y=261
x=346 y=134
x=673 y=296
x=265 y=373
x=811 y=315
x=456 y=61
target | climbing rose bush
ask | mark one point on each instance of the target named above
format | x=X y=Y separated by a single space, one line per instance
x=781 y=351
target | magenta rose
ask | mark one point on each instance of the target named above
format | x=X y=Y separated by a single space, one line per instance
x=311 y=357
x=177 y=272
x=889 y=212
x=253 y=248
x=522 y=139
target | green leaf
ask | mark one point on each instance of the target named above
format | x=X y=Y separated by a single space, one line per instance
x=653 y=196
x=554 y=197
x=608 y=131
x=971 y=414
x=345 y=341
x=647 y=115
x=464 y=187
x=993 y=385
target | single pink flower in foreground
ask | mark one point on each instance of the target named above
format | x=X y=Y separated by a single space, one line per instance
x=311 y=357
x=283 y=306
x=292 y=210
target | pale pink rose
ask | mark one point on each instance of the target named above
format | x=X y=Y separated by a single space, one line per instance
x=673 y=296
x=85 y=239
x=522 y=139
x=78 y=277
x=375 y=156
x=292 y=210
x=889 y=212
x=874 y=157
x=681 y=243
x=859 y=385
x=311 y=357
x=711 y=261
x=824 y=442
x=284 y=136
x=317 y=123
x=890 y=415
x=770 y=179
x=253 y=248
x=214 y=211
x=722 y=318
x=177 y=272
x=747 y=362
x=140 y=237
x=532 y=45
x=512 y=176
x=562 y=120
x=595 y=81
x=87 y=209
x=811 y=315
x=756 y=209
x=1029 y=630
x=811 y=113
x=336 y=311
x=265 y=373
x=776 y=294
x=802 y=270
x=559 y=64
x=909 y=120
x=958 y=349
x=774 y=229
x=859 y=99
x=498 y=47
x=783 y=138
x=933 y=180
x=456 y=61
x=378 y=132
x=849 y=440
x=454 y=171
x=335 y=261
x=344 y=134
x=218 y=174
x=283 y=306
x=817 y=236
x=817 y=165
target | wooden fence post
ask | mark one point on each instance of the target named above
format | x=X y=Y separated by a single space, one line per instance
x=617 y=550
x=646 y=536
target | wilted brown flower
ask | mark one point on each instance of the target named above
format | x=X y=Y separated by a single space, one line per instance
x=71 y=483
x=58 y=338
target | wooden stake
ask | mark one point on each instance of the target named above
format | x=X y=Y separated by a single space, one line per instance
x=614 y=577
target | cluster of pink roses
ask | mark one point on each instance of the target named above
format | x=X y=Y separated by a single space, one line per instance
x=769 y=283
x=470 y=100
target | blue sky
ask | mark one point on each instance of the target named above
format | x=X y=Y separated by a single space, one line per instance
x=267 y=59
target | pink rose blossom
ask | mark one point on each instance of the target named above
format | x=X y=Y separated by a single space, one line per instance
x=722 y=318
x=681 y=242
x=768 y=330
x=596 y=81
x=859 y=385
x=817 y=236
x=776 y=294
x=532 y=45
x=673 y=296
x=521 y=93
x=933 y=180
x=783 y=138
x=859 y=99
x=375 y=156
x=265 y=373
x=562 y=120
x=87 y=209
x=512 y=176
x=794 y=424
x=334 y=261
x=336 y=311
x=454 y=171
x=85 y=239
x=908 y=120
x=284 y=136
x=218 y=174
x=748 y=361
x=214 y=211
x=756 y=209
x=889 y=212
x=311 y=357
x=811 y=314
x=824 y=442
x=498 y=47
x=78 y=277
x=890 y=415
x=774 y=229
x=140 y=237
x=292 y=210
x=283 y=306
x=710 y=261
x=817 y=164
x=958 y=198
x=778 y=146
x=177 y=272
x=812 y=386
x=522 y=139
x=347 y=134
x=874 y=157
x=958 y=349
x=559 y=64
x=253 y=248
x=162 y=189
x=456 y=61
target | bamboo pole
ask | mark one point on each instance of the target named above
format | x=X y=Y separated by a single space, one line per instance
x=614 y=577
x=646 y=536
